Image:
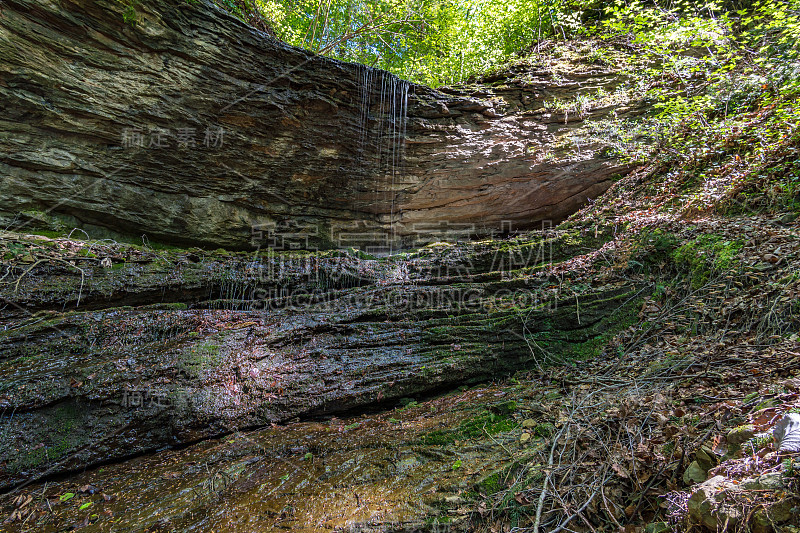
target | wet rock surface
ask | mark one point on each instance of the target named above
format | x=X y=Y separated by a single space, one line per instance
x=233 y=341
x=471 y=460
x=416 y=468
x=194 y=128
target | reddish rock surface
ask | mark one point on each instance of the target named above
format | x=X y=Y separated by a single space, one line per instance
x=191 y=127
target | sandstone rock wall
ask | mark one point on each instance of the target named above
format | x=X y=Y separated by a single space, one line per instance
x=192 y=127
x=226 y=340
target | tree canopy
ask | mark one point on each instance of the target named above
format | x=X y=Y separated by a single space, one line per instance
x=447 y=41
x=427 y=41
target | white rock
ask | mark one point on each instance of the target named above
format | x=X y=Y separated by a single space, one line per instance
x=787 y=433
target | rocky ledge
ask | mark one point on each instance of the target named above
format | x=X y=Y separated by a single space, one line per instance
x=194 y=128
x=113 y=350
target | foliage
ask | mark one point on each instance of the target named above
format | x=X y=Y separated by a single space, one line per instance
x=249 y=11
x=448 y=41
x=705 y=69
x=484 y=422
x=723 y=82
x=707 y=255
x=427 y=41
x=129 y=15
x=703 y=61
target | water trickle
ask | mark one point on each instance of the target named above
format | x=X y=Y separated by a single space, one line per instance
x=382 y=135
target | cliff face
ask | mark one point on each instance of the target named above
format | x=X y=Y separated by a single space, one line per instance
x=98 y=363
x=193 y=127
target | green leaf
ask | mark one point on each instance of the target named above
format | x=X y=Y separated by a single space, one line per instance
x=67 y=496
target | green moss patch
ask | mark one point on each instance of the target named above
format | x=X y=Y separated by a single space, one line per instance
x=485 y=421
x=705 y=256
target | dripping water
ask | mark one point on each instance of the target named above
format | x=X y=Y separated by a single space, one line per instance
x=385 y=133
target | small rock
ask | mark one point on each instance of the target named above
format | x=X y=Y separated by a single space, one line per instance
x=742 y=434
x=528 y=423
x=706 y=458
x=694 y=474
x=771 y=481
x=657 y=527
x=504 y=408
x=788 y=218
x=760 y=522
x=738 y=436
x=783 y=511
x=707 y=505
x=525 y=437
x=764 y=520
x=454 y=500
